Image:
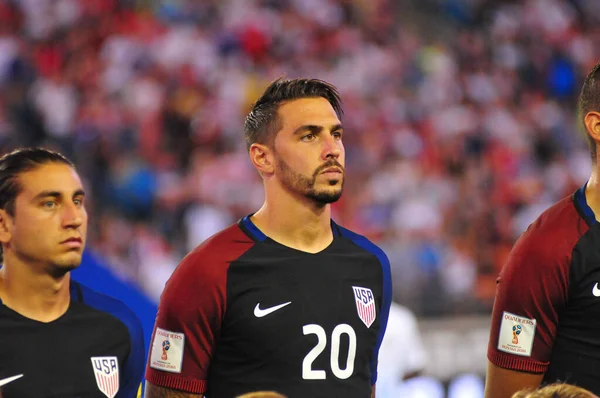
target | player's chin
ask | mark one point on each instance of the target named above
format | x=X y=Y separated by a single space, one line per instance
x=328 y=195
x=333 y=179
x=331 y=185
x=68 y=261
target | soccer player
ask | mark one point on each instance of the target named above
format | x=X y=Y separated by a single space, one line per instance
x=546 y=317
x=59 y=338
x=286 y=299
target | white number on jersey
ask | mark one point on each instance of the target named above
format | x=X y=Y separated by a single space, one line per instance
x=308 y=373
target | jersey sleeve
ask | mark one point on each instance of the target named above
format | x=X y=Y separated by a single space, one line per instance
x=133 y=370
x=531 y=291
x=189 y=319
x=386 y=301
x=386 y=289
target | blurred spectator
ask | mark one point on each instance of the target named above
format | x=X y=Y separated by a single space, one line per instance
x=459 y=120
x=402 y=355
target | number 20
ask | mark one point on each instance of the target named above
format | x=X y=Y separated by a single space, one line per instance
x=307 y=371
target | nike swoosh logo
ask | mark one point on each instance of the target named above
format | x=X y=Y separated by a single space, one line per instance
x=260 y=313
x=9 y=379
x=595 y=290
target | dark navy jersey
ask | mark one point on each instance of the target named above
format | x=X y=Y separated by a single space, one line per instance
x=244 y=313
x=94 y=350
x=546 y=316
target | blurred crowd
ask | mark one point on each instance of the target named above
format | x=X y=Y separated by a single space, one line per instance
x=460 y=118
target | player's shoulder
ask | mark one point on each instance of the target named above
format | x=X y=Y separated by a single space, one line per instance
x=216 y=252
x=556 y=231
x=108 y=305
x=229 y=237
x=362 y=242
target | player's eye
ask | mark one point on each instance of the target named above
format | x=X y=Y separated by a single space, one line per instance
x=49 y=204
x=308 y=137
x=78 y=201
x=337 y=134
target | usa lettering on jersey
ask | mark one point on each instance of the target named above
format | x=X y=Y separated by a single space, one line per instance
x=106 y=370
x=365 y=305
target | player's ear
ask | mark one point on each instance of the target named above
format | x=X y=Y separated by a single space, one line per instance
x=261 y=157
x=5 y=226
x=592 y=124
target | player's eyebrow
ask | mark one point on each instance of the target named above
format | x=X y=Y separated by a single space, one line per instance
x=312 y=128
x=56 y=194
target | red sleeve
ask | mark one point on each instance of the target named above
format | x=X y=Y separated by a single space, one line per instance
x=190 y=313
x=531 y=291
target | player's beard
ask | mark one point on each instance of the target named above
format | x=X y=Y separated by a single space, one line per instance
x=304 y=185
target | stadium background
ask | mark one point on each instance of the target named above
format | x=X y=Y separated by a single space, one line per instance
x=460 y=116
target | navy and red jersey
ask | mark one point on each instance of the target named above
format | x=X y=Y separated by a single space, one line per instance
x=243 y=313
x=93 y=350
x=546 y=316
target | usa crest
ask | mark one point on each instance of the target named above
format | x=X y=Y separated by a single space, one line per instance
x=365 y=305
x=106 y=370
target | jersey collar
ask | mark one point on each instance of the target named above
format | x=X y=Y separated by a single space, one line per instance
x=581 y=203
x=252 y=230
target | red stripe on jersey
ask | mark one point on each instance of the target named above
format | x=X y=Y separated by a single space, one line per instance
x=194 y=303
x=534 y=283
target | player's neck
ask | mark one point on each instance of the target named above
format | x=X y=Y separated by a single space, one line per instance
x=592 y=192
x=299 y=224
x=34 y=294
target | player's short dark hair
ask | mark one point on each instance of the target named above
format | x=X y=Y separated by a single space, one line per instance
x=589 y=100
x=20 y=161
x=262 y=123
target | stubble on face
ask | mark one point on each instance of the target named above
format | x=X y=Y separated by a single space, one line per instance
x=306 y=186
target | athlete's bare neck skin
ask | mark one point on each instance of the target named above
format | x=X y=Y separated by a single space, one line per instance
x=592 y=193
x=295 y=223
x=35 y=295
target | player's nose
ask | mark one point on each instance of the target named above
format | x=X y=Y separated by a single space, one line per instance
x=332 y=148
x=73 y=216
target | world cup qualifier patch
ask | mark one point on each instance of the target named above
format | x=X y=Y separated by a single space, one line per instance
x=516 y=334
x=167 y=351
